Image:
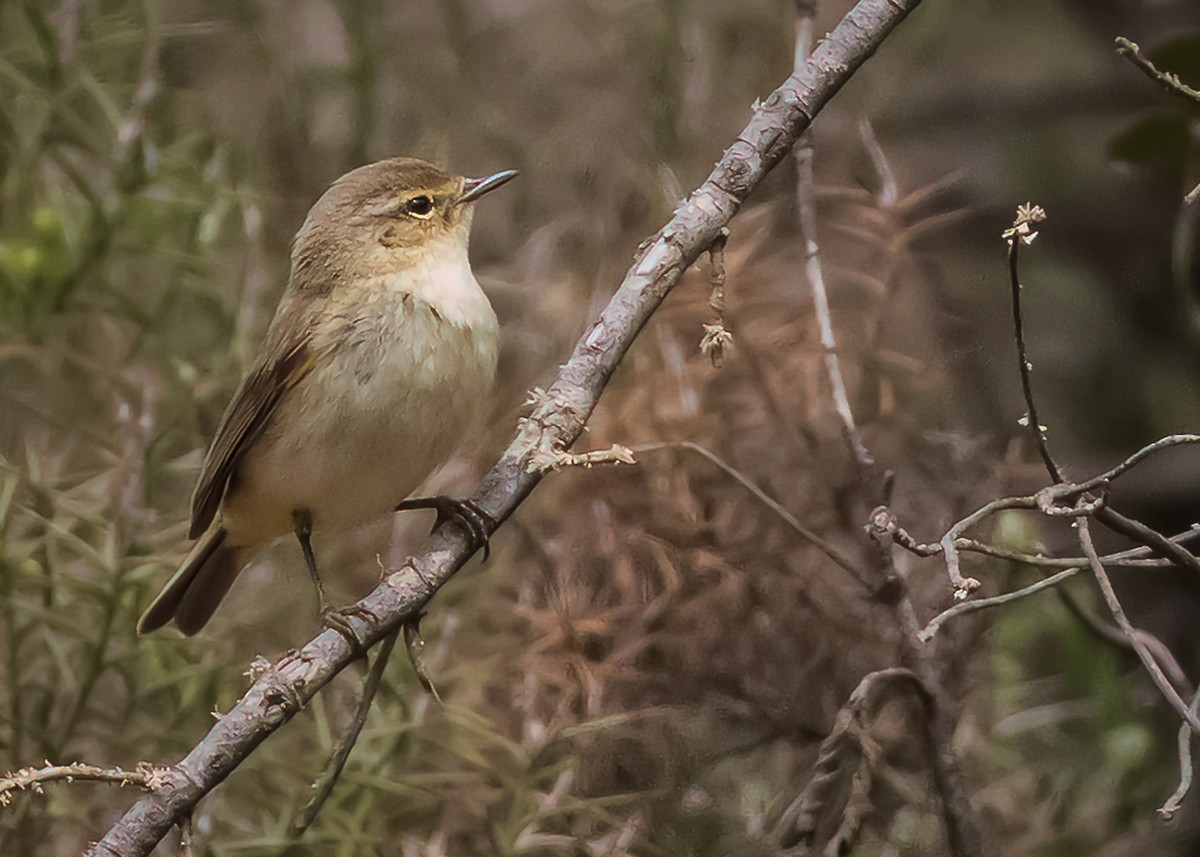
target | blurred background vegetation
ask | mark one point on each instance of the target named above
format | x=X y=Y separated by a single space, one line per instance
x=650 y=660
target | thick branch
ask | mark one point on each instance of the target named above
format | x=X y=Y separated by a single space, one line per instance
x=556 y=421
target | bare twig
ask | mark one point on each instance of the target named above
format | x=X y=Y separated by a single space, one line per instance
x=995 y=601
x=34 y=779
x=964 y=586
x=1169 y=81
x=1023 y=231
x=1132 y=558
x=554 y=460
x=806 y=206
x=762 y=144
x=717 y=336
x=415 y=646
x=1186 y=768
x=1139 y=646
x=1145 y=452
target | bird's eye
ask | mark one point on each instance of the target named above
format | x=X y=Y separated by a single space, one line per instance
x=419 y=206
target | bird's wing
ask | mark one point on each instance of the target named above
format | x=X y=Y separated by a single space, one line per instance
x=283 y=365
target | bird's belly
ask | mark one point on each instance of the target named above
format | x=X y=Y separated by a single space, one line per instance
x=363 y=430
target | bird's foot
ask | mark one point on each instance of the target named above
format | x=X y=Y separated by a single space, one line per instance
x=338 y=619
x=465 y=514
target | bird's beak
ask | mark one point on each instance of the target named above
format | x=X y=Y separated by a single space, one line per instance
x=475 y=188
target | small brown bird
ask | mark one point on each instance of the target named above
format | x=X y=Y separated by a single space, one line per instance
x=382 y=348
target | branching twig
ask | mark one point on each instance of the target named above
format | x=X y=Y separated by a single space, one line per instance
x=762 y=144
x=1131 y=558
x=1139 y=646
x=1023 y=231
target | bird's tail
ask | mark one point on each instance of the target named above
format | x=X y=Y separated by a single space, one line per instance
x=191 y=596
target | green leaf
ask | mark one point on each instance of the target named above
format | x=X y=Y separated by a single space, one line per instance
x=1159 y=139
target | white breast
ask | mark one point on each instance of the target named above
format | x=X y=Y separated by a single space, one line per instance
x=410 y=362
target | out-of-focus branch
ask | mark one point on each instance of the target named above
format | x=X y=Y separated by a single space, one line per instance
x=963 y=837
x=847 y=747
x=555 y=423
x=806 y=206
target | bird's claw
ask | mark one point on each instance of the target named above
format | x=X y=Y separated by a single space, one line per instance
x=465 y=514
x=338 y=619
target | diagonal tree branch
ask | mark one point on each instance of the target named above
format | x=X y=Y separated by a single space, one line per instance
x=557 y=419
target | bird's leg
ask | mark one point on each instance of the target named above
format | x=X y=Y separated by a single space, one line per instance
x=302 y=520
x=466 y=514
x=337 y=618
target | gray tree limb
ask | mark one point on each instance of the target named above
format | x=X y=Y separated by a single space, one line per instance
x=558 y=417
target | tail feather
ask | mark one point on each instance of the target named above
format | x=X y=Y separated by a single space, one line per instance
x=191 y=596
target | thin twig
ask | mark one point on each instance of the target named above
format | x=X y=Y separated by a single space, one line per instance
x=839 y=558
x=717 y=336
x=1168 y=80
x=415 y=646
x=1145 y=452
x=806 y=207
x=1139 y=557
x=322 y=787
x=1139 y=646
x=760 y=146
x=1186 y=768
x=1023 y=232
x=995 y=601
x=33 y=779
x=964 y=586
